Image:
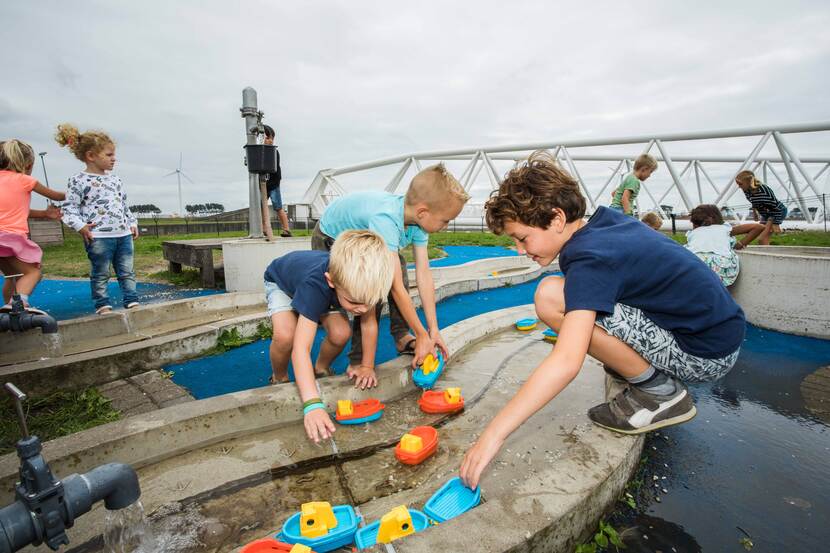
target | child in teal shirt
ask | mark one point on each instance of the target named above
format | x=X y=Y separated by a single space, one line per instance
x=434 y=198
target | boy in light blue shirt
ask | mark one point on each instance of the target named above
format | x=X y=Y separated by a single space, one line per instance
x=434 y=198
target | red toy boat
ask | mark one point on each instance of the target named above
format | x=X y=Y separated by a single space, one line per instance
x=357 y=412
x=269 y=545
x=437 y=401
x=417 y=445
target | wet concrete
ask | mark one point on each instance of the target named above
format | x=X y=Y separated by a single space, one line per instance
x=551 y=481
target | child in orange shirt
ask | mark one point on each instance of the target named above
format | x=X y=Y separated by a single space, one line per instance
x=18 y=254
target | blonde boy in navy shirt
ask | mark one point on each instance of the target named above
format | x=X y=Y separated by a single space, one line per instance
x=307 y=288
x=631 y=298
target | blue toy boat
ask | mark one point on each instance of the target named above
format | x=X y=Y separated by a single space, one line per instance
x=339 y=536
x=451 y=500
x=526 y=324
x=427 y=374
x=368 y=535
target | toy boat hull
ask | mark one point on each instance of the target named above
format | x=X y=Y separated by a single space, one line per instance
x=432 y=401
x=367 y=410
x=429 y=437
x=368 y=535
x=339 y=536
x=451 y=500
x=427 y=380
x=526 y=324
x=267 y=545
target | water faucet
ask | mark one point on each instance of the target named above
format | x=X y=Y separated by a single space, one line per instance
x=46 y=507
x=19 y=319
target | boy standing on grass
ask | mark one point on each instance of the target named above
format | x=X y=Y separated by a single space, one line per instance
x=625 y=196
x=307 y=288
x=434 y=199
x=631 y=298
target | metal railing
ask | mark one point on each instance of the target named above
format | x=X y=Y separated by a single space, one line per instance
x=689 y=178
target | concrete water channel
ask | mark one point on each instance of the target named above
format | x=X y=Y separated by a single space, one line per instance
x=222 y=471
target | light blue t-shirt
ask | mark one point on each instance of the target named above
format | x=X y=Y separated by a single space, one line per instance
x=380 y=212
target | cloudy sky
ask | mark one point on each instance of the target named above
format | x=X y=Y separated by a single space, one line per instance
x=345 y=82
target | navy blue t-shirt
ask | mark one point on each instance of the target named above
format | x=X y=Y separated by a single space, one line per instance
x=617 y=259
x=301 y=276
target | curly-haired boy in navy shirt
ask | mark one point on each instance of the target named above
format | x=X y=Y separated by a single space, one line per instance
x=632 y=298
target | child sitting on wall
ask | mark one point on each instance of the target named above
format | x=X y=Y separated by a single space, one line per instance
x=714 y=243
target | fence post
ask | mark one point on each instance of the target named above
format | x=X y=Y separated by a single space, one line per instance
x=824 y=210
x=673 y=224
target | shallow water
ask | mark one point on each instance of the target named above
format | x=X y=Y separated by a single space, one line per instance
x=752 y=464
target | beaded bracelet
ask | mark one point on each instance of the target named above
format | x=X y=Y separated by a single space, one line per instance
x=312 y=407
x=312 y=401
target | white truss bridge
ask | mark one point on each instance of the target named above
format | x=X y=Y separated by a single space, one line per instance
x=695 y=168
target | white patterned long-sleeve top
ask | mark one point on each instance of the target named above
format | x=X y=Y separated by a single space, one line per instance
x=101 y=201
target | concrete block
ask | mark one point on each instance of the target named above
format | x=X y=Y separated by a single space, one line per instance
x=246 y=260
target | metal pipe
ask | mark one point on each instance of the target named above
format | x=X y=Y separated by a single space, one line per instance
x=793 y=180
x=252 y=117
x=532 y=146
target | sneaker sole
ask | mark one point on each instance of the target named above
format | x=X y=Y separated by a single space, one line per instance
x=679 y=419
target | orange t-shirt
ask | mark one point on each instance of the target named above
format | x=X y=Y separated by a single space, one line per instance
x=15 y=195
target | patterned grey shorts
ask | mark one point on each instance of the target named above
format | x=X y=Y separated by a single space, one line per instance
x=658 y=346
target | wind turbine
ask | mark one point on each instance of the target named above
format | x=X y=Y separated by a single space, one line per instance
x=179 y=174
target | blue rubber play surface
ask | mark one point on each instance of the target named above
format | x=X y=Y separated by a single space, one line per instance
x=458 y=255
x=249 y=367
x=68 y=299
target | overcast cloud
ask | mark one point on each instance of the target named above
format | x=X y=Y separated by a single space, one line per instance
x=345 y=82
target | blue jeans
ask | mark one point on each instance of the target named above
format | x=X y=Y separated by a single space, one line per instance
x=118 y=252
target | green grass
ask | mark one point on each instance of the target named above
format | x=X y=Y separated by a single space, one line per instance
x=789 y=238
x=56 y=415
x=69 y=259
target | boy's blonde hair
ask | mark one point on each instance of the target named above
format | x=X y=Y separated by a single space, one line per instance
x=653 y=220
x=645 y=161
x=17 y=156
x=361 y=266
x=435 y=187
x=82 y=143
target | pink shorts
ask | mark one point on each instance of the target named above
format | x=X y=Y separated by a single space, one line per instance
x=17 y=245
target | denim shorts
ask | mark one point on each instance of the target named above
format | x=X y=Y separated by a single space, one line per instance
x=276 y=198
x=278 y=301
x=659 y=347
x=777 y=217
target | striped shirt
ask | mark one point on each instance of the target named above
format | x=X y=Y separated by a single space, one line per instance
x=763 y=200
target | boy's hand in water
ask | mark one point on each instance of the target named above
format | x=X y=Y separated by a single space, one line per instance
x=318 y=425
x=477 y=459
x=364 y=377
x=86 y=233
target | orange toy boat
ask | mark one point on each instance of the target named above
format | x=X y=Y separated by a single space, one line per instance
x=437 y=401
x=270 y=545
x=417 y=445
x=358 y=412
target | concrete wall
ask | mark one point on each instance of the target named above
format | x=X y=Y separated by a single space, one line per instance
x=786 y=288
x=245 y=260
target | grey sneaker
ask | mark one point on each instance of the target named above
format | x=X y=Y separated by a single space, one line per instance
x=634 y=411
